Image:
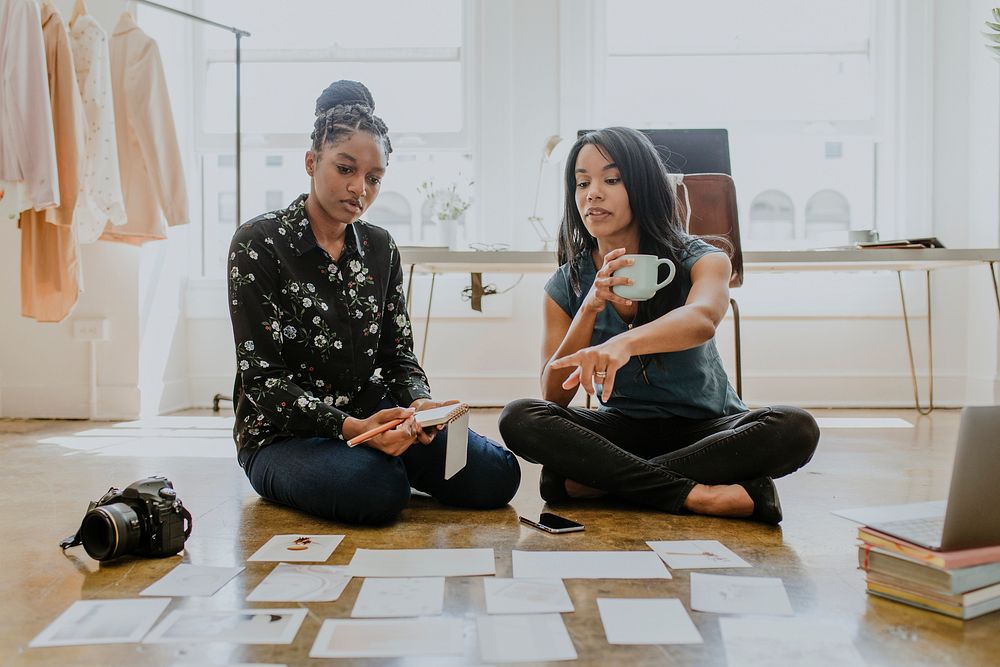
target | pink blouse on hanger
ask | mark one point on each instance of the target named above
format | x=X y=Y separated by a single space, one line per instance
x=27 y=146
x=148 y=154
x=50 y=269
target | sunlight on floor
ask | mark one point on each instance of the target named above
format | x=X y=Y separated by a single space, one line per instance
x=862 y=422
x=157 y=437
x=191 y=436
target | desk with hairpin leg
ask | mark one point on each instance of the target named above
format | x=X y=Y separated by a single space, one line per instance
x=475 y=263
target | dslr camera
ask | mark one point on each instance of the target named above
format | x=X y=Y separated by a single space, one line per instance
x=146 y=518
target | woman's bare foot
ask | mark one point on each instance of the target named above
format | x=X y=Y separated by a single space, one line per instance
x=577 y=490
x=718 y=500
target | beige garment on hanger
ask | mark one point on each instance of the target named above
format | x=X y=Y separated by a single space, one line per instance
x=27 y=147
x=79 y=9
x=50 y=255
x=148 y=155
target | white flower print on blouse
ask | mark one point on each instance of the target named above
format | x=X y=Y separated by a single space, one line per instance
x=322 y=331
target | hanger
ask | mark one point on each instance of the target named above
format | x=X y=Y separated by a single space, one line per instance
x=79 y=9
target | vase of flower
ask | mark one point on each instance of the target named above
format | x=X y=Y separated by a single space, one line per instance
x=447 y=205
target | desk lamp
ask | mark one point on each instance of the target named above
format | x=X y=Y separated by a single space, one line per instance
x=554 y=152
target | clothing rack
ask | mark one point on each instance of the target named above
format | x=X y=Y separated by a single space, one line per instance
x=239 y=34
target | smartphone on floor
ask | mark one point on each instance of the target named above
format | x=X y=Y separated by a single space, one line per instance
x=553 y=523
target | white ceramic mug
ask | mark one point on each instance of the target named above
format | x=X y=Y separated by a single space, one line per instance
x=643 y=272
x=862 y=235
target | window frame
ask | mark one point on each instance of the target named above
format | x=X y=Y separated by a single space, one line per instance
x=462 y=141
x=898 y=112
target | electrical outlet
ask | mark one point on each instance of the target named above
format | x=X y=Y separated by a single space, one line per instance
x=96 y=329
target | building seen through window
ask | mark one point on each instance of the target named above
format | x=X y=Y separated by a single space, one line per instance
x=772 y=216
x=827 y=211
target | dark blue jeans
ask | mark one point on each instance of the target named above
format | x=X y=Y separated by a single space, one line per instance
x=656 y=462
x=325 y=477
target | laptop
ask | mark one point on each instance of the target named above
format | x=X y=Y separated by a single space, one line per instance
x=971 y=518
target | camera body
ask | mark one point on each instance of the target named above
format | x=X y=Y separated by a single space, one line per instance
x=146 y=518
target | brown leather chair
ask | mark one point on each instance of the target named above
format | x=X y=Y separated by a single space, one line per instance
x=707 y=206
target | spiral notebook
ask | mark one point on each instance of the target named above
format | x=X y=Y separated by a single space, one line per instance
x=457 y=449
x=446 y=414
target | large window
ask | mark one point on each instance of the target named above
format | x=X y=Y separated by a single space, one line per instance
x=795 y=83
x=413 y=57
x=772 y=216
x=827 y=211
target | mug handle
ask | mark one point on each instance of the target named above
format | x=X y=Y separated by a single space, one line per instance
x=670 y=276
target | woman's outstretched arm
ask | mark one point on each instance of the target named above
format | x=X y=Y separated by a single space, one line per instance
x=562 y=336
x=683 y=328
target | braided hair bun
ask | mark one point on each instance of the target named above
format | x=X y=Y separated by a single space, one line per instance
x=344 y=92
x=344 y=108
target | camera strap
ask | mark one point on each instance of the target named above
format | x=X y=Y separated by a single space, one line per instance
x=71 y=541
x=75 y=538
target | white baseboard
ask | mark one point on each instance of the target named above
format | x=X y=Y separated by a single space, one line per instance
x=203 y=388
x=982 y=390
x=852 y=390
x=174 y=396
x=843 y=390
x=69 y=402
x=118 y=402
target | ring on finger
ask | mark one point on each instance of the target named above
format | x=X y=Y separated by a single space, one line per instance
x=600 y=374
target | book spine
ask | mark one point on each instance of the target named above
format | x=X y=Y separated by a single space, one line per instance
x=947 y=582
x=897 y=565
x=965 y=612
x=942 y=559
x=916 y=553
x=898 y=586
x=947 y=611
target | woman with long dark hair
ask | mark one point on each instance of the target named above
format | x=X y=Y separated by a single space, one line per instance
x=671 y=433
x=324 y=345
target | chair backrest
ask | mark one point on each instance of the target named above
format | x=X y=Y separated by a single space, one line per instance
x=698 y=151
x=707 y=202
x=692 y=151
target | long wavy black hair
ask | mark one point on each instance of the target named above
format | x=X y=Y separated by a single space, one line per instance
x=654 y=209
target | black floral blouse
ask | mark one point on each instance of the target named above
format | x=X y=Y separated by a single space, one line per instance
x=317 y=340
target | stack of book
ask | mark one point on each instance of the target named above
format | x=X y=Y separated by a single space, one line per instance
x=964 y=584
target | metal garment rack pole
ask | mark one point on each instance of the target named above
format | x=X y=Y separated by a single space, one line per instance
x=239 y=33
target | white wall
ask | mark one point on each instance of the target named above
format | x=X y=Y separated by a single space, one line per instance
x=833 y=339
x=141 y=370
x=828 y=339
x=165 y=266
x=982 y=190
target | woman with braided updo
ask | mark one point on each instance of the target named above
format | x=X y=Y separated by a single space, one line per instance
x=324 y=347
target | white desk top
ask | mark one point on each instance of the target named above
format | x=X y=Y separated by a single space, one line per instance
x=438 y=260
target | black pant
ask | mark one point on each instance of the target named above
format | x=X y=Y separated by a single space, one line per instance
x=656 y=462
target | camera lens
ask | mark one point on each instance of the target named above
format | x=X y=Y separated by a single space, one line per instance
x=110 y=531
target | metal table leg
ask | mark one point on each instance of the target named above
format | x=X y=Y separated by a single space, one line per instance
x=930 y=347
x=996 y=290
x=427 y=322
x=409 y=291
x=739 y=347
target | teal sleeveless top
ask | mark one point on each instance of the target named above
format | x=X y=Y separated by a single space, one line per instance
x=690 y=383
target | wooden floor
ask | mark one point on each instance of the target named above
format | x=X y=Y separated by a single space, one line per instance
x=51 y=469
